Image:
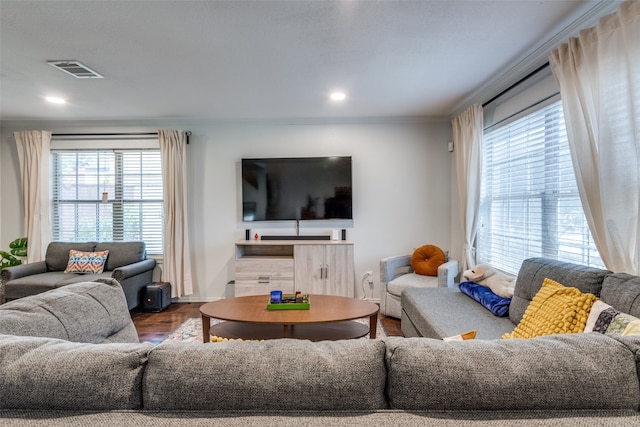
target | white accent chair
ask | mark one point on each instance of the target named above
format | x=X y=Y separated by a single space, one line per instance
x=396 y=274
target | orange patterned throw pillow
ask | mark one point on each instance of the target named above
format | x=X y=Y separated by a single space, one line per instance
x=86 y=262
x=426 y=260
x=555 y=309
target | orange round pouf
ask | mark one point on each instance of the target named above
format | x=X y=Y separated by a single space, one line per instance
x=426 y=260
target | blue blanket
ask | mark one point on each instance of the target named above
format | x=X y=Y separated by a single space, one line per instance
x=495 y=304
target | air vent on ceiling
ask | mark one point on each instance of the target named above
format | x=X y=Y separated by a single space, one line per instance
x=75 y=68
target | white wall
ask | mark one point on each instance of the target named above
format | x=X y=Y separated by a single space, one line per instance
x=401 y=188
x=1 y=150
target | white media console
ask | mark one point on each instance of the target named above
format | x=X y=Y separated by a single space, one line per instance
x=309 y=266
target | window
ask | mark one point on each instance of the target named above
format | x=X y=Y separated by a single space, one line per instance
x=529 y=201
x=110 y=195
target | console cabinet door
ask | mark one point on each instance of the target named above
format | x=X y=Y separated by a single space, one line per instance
x=324 y=269
x=309 y=269
x=339 y=276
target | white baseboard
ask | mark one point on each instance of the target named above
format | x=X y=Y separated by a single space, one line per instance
x=195 y=299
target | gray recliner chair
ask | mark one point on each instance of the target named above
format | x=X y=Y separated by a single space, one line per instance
x=396 y=274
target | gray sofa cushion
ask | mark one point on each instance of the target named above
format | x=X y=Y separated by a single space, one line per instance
x=633 y=343
x=443 y=312
x=533 y=272
x=45 y=373
x=271 y=375
x=89 y=312
x=122 y=253
x=411 y=280
x=579 y=371
x=622 y=291
x=34 y=284
x=37 y=283
x=57 y=256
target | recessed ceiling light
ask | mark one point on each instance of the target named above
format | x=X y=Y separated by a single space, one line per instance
x=56 y=100
x=338 y=96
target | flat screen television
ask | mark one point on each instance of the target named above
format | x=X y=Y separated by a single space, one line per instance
x=304 y=188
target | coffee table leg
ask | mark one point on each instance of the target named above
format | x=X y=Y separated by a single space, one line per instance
x=206 y=324
x=285 y=331
x=373 y=325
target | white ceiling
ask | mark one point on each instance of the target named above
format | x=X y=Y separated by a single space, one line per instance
x=268 y=60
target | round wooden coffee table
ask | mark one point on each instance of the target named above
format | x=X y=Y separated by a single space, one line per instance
x=328 y=318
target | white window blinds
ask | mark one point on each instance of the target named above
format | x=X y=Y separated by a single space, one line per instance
x=112 y=195
x=529 y=202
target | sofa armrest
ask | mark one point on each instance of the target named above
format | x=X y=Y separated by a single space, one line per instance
x=394 y=266
x=126 y=271
x=22 y=270
x=133 y=278
x=90 y=312
x=447 y=273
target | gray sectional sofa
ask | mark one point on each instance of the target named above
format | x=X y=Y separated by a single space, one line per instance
x=69 y=357
x=443 y=312
x=127 y=263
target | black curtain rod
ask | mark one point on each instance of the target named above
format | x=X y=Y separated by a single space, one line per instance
x=187 y=133
x=531 y=74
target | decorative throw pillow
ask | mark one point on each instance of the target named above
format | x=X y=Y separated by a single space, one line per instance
x=462 y=337
x=619 y=323
x=605 y=319
x=597 y=309
x=86 y=262
x=632 y=329
x=555 y=309
x=426 y=260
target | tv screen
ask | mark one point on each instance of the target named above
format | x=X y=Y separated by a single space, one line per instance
x=304 y=188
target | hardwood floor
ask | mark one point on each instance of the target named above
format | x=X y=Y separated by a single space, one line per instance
x=391 y=325
x=155 y=327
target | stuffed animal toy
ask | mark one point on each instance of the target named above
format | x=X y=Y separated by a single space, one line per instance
x=485 y=275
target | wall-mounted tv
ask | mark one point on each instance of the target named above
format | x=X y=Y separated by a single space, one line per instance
x=304 y=188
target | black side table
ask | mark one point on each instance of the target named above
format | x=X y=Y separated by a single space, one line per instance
x=156 y=296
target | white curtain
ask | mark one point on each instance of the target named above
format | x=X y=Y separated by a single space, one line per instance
x=598 y=74
x=467 y=143
x=33 y=155
x=176 y=258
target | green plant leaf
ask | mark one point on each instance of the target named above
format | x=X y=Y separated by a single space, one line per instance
x=21 y=252
x=19 y=247
x=19 y=243
x=8 y=260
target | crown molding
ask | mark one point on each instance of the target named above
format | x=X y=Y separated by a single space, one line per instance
x=535 y=58
x=143 y=125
